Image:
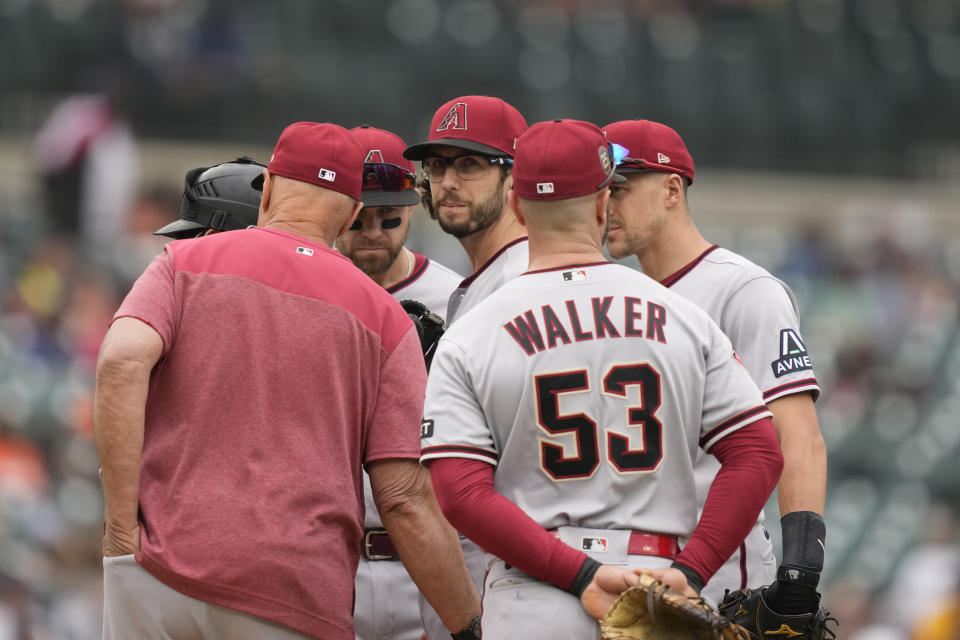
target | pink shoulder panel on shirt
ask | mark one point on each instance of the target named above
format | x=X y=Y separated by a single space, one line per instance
x=337 y=281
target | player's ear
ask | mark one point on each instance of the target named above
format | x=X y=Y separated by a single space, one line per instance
x=602 y=206
x=514 y=203
x=267 y=191
x=674 y=189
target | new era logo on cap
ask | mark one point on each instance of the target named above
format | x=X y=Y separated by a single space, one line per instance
x=652 y=147
x=544 y=187
x=326 y=174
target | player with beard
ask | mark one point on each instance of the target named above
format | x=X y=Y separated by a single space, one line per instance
x=467 y=173
x=466 y=164
x=375 y=242
x=386 y=604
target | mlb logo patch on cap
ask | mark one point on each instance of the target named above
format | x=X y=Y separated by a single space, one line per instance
x=562 y=159
x=323 y=154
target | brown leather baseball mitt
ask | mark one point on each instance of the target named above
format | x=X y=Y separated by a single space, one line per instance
x=653 y=611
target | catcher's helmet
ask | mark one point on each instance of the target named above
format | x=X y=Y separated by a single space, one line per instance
x=222 y=197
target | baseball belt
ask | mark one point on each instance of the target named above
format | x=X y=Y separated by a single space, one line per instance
x=378 y=546
x=650 y=544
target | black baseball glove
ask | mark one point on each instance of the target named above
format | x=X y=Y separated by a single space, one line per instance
x=748 y=608
x=430 y=327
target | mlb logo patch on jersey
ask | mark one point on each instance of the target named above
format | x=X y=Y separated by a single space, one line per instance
x=305 y=251
x=593 y=544
x=793 y=354
x=574 y=276
x=326 y=174
x=426 y=429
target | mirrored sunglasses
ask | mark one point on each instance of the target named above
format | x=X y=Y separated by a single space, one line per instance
x=617 y=153
x=386 y=176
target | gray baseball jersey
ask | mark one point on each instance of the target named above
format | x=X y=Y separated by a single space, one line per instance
x=758 y=313
x=591 y=389
x=506 y=264
x=386 y=603
x=429 y=282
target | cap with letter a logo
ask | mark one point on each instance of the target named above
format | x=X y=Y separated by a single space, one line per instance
x=653 y=147
x=323 y=154
x=480 y=124
x=562 y=159
x=384 y=148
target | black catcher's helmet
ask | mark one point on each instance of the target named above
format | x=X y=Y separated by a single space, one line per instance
x=222 y=197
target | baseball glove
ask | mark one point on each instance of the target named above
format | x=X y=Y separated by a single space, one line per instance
x=748 y=608
x=430 y=327
x=653 y=611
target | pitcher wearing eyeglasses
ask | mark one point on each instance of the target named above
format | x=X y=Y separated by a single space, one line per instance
x=467 y=173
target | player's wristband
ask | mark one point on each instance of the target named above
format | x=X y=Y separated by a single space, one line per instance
x=804 y=535
x=693 y=578
x=799 y=576
x=471 y=632
x=588 y=569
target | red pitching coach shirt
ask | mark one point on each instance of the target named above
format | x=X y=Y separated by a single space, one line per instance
x=283 y=368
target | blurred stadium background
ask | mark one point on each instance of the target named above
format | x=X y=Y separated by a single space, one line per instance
x=827 y=147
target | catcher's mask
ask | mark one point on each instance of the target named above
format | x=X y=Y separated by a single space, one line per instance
x=223 y=197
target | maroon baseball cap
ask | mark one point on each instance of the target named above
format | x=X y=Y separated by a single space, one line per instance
x=388 y=177
x=323 y=154
x=651 y=146
x=562 y=159
x=480 y=124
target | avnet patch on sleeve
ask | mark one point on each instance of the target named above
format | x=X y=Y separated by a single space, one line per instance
x=793 y=354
